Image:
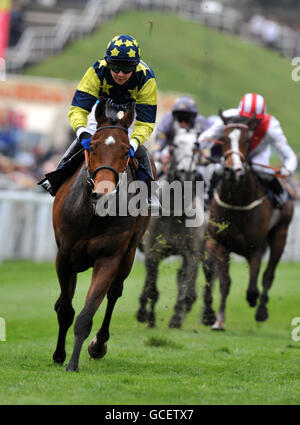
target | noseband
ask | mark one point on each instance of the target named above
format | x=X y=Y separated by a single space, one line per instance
x=235 y=151
x=92 y=174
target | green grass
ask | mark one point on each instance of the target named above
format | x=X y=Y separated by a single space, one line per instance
x=216 y=68
x=249 y=363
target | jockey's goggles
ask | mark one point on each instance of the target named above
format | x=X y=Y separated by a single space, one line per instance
x=125 y=68
x=185 y=116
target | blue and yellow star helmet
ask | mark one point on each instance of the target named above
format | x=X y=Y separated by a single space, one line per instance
x=123 y=48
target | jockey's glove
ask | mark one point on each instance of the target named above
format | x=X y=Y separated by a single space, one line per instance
x=285 y=172
x=133 y=147
x=84 y=137
x=131 y=152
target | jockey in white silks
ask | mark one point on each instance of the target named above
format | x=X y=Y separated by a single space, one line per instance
x=266 y=133
x=183 y=116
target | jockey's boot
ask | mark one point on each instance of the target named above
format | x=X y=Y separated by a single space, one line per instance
x=280 y=195
x=209 y=189
x=72 y=150
x=143 y=158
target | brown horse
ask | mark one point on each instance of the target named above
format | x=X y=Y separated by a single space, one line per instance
x=106 y=243
x=242 y=221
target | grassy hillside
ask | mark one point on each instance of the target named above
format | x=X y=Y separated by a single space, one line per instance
x=188 y=58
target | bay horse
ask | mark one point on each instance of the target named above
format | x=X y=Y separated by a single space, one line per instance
x=85 y=239
x=169 y=235
x=243 y=221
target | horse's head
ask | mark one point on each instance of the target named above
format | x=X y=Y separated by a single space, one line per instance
x=184 y=159
x=236 y=144
x=109 y=149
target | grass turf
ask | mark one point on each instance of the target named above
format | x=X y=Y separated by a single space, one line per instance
x=249 y=363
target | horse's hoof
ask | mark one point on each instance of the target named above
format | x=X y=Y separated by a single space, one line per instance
x=142 y=316
x=261 y=314
x=59 y=357
x=96 y=353
x=209 y=318
x=219 y=325
x=72 y=368
x=175 y=323
x=252 y=298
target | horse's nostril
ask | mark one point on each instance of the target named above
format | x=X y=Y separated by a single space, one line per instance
x=95 y=196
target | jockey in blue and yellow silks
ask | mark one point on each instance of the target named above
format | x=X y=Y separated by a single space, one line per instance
x=122 y=77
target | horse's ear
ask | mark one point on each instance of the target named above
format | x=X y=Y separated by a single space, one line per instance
x=100 y=111
x=128 y=117
x=224 y=119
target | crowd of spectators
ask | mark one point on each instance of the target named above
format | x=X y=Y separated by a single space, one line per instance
x=269 y=32
x=22 y=164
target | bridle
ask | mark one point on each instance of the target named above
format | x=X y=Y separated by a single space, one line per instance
x=234 y=151
x=226 y=205
x=230 y=152
x=92 y=174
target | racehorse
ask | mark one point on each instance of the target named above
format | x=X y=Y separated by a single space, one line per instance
x=242 y=221
x=85 y=239
x=169 y=235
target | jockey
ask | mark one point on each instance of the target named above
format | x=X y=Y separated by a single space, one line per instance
x=266 y=132
x=184 y=114
x=122 y=77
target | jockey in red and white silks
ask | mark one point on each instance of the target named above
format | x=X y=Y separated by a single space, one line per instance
x=267 y=134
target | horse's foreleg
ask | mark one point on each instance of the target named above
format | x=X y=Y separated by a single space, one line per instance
x=104 y=273
x=254 y=266
x=191 y=294
x=98 y=347
x=277 y=240
x=186 y=278
x=208 y=314
x=63 y=306
x=222 y=257
x=150 y=291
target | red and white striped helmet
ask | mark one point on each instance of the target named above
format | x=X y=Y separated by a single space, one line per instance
x=252 y=103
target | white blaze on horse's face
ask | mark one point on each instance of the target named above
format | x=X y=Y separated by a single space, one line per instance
x=184 y=144
x=110 y=141
x=234 y=137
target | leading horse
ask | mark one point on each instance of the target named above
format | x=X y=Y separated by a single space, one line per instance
x=243 y=221
x=84 y=239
